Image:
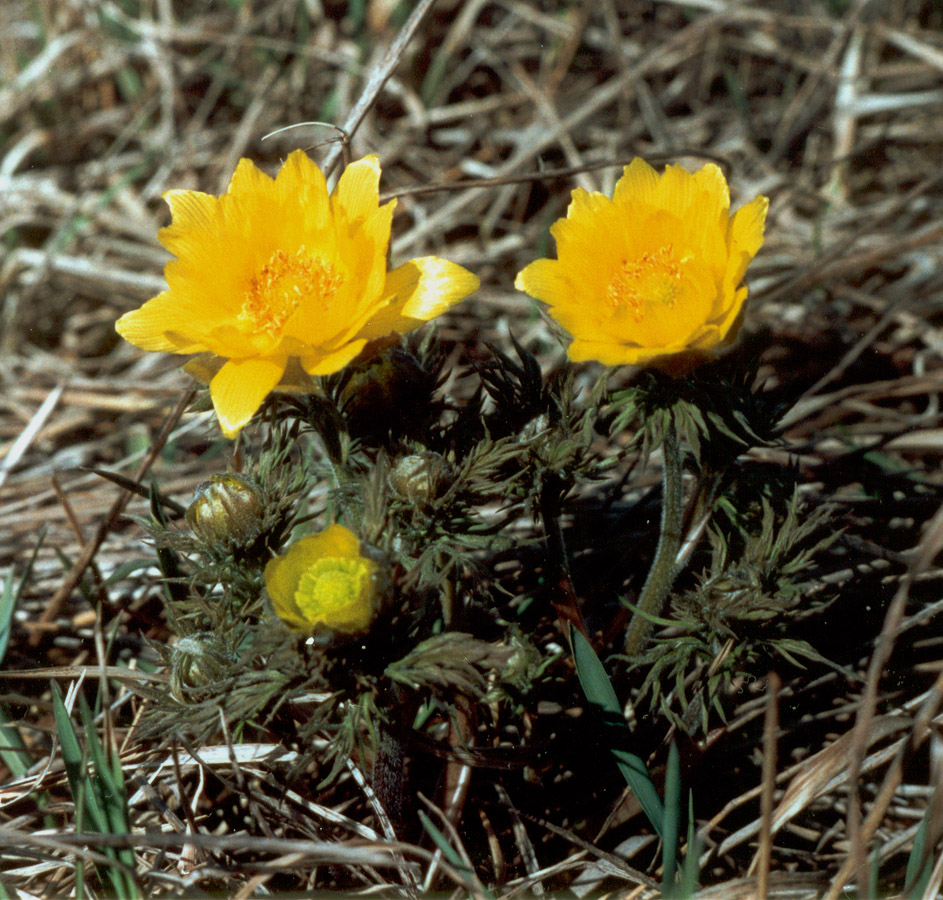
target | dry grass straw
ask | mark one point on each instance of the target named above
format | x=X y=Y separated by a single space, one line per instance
x=833 y=109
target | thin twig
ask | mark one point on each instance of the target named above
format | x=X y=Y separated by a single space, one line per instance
x=770 y=726
x=929 y=547
x=105 y=526
x=378 y=77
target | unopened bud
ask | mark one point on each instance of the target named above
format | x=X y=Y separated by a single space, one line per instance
x=416 y=477
x=195 y=661
x=389 y=396
x=536 y=426
x=226 y=511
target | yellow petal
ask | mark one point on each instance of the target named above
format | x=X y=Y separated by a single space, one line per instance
x=281 y=575
x=303 y=206
x=586 y=205
x=317 y=362
x=335 y=547
x=607 y=353
x=746 y=237
x=711 y=183
x=670 y=324
x=441 y=285
x=249 y=179
x=416 y=292
x=204 y=367
x=154 y=325
x=289 y=613
x=336 y=540
x=190 y=209
x=277 y=271
x=705 y=231
x=675 y=191
x=239 y=388
x=362 y=252
x=299 y=174
x=746 y=228
x=733 y=314
x=545 y=279
x=358 y=189
x=637 y=184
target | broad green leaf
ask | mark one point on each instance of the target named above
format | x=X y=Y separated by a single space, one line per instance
x=600 y=693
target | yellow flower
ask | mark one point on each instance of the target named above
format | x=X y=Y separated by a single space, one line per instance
x=652 y=276
x=323 y=581
x=278 y=272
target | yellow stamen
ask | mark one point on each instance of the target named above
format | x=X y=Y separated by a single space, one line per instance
x=648 y=278
x=281 y=284
x=330 y=585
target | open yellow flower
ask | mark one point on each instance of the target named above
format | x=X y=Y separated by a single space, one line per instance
x=652 y=276
x=323 y=582
x=278 y=270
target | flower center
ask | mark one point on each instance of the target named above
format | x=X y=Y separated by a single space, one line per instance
x=651 y=277
x=281 y=284
x=330 y=586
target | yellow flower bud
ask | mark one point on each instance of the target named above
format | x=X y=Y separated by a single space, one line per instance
x=323 y=581
x=226 y=511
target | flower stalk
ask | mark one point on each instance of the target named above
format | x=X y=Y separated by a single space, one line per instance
x=565 y=600
x=664 y=567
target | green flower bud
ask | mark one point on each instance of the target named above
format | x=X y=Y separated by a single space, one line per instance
x=416 y=477
x=392 y=395
x=195 y=662
x=226 y=511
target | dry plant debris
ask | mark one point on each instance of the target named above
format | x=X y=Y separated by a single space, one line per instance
x=486 y=114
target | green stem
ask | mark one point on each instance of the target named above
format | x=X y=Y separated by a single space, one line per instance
x=564 y=598
x=662 y=573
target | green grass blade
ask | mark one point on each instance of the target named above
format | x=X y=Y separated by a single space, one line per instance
x=113 y=798
x=600 y=693
x=874 y=870
x=92 y=793
x=919 y=866
x=11 y=595
x=74 y=762
x=126 y=569
x=690 y=870
x=73 y=758
x=7 y=605
x=13 y=750
x=442 y=843
x=17 y=758
x=669 y=839
x=448 y=851
x=113 y=794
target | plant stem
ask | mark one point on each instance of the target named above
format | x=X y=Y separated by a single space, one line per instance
x=663 y=570
x=565 y=600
